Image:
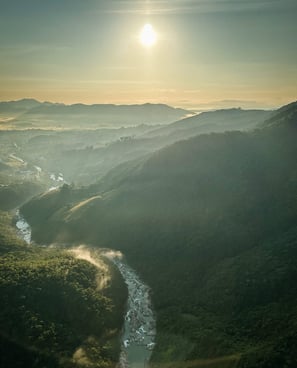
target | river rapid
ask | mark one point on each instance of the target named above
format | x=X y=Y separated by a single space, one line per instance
x=138 y=335
x=23 y=228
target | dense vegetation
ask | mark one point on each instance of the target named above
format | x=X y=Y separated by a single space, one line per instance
x=15 y=194
x=210 y=223
x=52 y=313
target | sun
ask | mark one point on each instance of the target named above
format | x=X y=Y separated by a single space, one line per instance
x=148 y=37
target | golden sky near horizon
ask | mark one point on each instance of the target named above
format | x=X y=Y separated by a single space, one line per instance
x=193 y=54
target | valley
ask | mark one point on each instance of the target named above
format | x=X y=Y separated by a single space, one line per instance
x=203 y=211
x=148 y=184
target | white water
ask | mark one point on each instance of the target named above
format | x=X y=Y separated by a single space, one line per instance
x=23 y=228
x=138 y=338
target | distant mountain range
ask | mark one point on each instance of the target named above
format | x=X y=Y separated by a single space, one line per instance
x=111 y=147
x=18 y=106
x=30 y=112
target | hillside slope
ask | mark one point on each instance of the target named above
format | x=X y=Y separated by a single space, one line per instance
x=211 y=225
x=52 y=313
x=212 y=122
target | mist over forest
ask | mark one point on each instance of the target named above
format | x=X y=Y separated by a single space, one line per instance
x=148 y=184
x=201 y=206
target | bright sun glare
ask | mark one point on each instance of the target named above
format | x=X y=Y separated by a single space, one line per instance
x=148 y=36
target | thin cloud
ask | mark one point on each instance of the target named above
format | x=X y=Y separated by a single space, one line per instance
x=188 y=6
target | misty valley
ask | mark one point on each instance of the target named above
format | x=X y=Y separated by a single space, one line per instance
x=147 y=236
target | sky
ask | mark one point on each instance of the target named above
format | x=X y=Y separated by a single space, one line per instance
x=208 y=54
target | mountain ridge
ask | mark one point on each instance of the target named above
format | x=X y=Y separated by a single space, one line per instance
x=213 y=121
x=286 y=115
x=28 y=102
x=34 y=114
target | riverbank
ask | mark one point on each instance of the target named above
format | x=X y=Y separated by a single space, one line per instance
x=138 y=336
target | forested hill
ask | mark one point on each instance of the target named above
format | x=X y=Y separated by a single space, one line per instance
x=211 y=224
x=52 y=313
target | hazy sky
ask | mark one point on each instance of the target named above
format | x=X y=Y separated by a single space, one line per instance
x=208 y=53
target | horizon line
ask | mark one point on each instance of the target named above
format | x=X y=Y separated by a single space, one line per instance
x=205 y=106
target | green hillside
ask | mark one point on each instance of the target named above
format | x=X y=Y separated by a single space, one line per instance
x=211 y=225
x=16 y=193
x=52 y=313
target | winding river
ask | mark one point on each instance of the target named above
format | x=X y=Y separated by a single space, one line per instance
x=138 y=336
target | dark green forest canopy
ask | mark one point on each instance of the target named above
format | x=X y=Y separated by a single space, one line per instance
x=51 y=311
x=210 y=224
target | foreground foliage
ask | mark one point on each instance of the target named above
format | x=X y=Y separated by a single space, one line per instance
x=51 y=311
